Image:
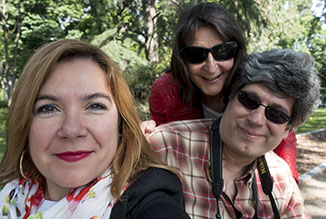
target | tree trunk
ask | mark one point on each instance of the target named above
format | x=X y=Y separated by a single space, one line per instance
x=151 y=44
x=5 y=70
x=9 y=73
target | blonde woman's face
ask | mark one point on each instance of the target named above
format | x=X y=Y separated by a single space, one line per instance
x=74 y=131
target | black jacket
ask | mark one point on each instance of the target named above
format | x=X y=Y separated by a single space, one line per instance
x=156 y=193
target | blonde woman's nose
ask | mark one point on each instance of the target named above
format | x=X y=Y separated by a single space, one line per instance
x=72 y=126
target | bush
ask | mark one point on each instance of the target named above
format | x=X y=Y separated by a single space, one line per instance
x=140 y=80
x=3 y=103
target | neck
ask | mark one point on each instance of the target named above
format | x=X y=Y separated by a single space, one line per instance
x=55 y=194
x=214 y=102
x=234 y=166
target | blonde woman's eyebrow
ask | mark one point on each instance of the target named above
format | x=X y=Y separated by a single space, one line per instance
x=85 y=98
x=46 y=97
x=97 y=95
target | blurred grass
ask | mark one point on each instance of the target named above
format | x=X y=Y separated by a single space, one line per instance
x=316 y=121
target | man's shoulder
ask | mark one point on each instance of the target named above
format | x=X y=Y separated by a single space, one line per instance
x=180 y=137
x=187 y=125
x=193 y=125
x=278 y=167
x=274 y=160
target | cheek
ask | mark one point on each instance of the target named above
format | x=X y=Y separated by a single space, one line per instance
x=107 y=131
x=37 y=136
x=37 y=146
x=233 y=109
x=227 y=65
x=107 y=136
x=108 y=139
x=41 y=133
x=194 y=69
x=278 y=130
x=39 y=140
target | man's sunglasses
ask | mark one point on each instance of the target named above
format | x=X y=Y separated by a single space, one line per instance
x=272 y=114
x=220 y=52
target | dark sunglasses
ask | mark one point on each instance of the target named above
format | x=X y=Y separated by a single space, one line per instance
x=220 y=52
x=272 y=114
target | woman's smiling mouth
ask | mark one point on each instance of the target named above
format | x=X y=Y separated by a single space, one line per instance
x=73 y=156
x=217 y=78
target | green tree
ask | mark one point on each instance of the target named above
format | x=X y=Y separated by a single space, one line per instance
x=28 y=24
x=138 y=34
x=11 y=36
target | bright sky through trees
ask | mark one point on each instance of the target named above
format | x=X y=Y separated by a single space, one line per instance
x=318 y=8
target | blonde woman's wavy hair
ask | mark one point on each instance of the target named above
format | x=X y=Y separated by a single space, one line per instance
x=133 y=154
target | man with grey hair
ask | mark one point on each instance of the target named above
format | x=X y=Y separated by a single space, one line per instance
x=228 y=167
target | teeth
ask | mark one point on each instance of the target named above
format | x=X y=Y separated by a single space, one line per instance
x=212 y=78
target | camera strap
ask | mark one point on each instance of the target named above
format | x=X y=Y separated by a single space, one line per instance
x=267 y=183
x=216 y=151
x=216 y=163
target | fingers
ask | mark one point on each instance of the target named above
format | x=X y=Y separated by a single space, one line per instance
x=148 y=126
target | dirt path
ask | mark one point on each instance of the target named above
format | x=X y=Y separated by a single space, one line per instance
x=311 y=151
x=311 y=154
x=314 y=191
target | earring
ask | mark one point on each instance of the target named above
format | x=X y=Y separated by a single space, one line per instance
x=21 y=164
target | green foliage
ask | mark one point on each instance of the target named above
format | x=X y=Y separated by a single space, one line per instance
x=119 y=28
x=318 y=50
x=118 y=51
x=138 y=72
x=140 y=79
x=3 y=116
x=3 y=104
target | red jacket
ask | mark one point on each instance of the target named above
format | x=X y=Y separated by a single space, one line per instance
x=165 y=105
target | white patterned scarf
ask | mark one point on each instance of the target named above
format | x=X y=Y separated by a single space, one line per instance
x=22 y=198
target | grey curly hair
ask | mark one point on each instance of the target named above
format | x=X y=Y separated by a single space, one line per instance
x=286 y=73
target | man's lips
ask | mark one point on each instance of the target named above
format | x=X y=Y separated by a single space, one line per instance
x=251 y=134
x=73 y=156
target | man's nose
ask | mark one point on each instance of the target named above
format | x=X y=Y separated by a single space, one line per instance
x=257 y=116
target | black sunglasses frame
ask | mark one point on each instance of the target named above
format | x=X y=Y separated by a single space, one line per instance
x=220 y=52
x=274 y=115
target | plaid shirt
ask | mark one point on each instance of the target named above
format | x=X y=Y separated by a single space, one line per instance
x=185 y=145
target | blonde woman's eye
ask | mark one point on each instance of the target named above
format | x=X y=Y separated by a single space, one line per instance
x=46 y=109
x=97 y=106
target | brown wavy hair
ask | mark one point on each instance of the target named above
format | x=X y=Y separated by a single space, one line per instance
x=193 y=17
x=133 y=154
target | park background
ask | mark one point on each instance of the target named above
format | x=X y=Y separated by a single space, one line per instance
x=138 y=36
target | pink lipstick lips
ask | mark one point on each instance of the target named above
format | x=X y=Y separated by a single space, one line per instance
x=73 y=156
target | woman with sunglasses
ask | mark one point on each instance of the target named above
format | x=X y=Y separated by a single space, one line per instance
x=207 y=51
